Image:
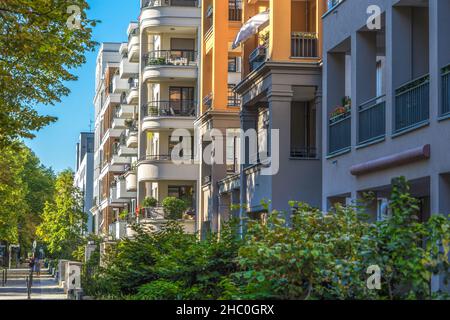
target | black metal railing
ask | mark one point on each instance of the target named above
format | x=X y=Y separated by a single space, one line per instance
x=372 y=120
x=303 y=152
x=178 y=108
x=412 y=104
x=234 y=10
x=171 y=58
x=169 y=3
x=446 y=90
x=304 y=44
x=257 y=57
x=339 y=133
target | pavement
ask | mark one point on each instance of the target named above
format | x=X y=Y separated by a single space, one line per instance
x=44 y=287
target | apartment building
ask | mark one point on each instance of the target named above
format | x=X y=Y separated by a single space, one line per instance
x=84 y=173
x=281 y=108
x=219 y=105
x=112 y=156
x=168 y=39
x=387 y=97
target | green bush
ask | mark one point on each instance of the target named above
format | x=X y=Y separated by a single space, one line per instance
x=149 y=202
x=303 y=254
x=174 y=208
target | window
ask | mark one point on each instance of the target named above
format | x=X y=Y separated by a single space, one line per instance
x=233 y=97
x=182 y=44
x=233 y=64
x=303 y=130
x=181 y=99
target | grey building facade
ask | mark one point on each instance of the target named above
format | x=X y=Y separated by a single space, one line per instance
x=386 y=102
x=84 y=173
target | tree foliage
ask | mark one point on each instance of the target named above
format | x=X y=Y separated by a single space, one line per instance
x=63 y=219
x=300 y=254
x=25 y=186
x=38 y=50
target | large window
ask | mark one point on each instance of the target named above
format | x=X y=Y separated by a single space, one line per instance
x=303 y=130
x=181 y=99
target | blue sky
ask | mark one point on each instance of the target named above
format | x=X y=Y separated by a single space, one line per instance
x=55 y=144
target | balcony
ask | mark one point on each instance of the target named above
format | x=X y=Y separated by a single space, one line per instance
x=163 y=167
x=181 y=108
x=304 y=45
x=160 y=14
x=372 y=120
x=446 y=90
x=155 y=217
x=133 y=94
x=412 y=104
x=133 y=45
x=132 y=138
x=125 y=111
x=339 y=131
x=257 y=57
x=131 y=181
x=128 y=69
x=118 y=123
x=122 y=192
x=119 y=85
x=177 y=64
x=114 y=198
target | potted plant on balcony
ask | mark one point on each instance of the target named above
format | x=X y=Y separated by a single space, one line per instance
x=129 y=123
x=123 y=215
x=341 y=111
x=174 y=208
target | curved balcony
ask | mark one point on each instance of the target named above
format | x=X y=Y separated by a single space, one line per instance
x=168 y=114
x=164 y=64
x=161 y=15
x=131 y=181
x=133 y=95
x=133 y=45
x=162 y=167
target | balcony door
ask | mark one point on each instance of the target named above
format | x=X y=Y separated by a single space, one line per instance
x=181 y=100
x=182 y=51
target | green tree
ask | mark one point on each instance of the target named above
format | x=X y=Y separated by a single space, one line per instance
x=39 y=47
x=39 y=189
x=63 y=219
x=13 y=191
x=25 y=185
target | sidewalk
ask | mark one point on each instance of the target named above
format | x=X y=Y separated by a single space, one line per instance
x=44 y=288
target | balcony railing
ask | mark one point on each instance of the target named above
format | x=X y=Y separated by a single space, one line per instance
x=339 y=133
x=412 y=102
x=180 y=108
x=303 y=152
x=446 y=90
x=169 y=3
x=372 y=120
x=154 y=213
x=234 y=10
x=166 y=157
x=171 y=58
x=257 y=57
x=304 y=44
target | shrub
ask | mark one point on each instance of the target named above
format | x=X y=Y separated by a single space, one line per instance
x=174 y=208
x=149 y=202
